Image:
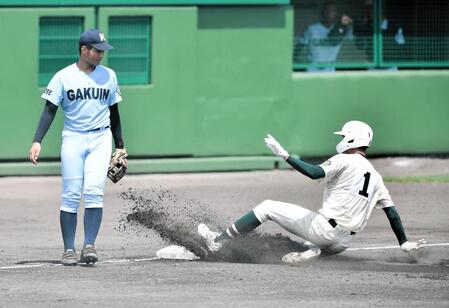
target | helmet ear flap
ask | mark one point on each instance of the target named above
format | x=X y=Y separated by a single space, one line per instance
x=355 y=134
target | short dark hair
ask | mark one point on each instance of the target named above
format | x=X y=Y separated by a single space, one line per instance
x=330 y=2
x=326 y=4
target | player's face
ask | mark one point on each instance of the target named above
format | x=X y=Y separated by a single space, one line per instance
x=330 y=13
x=92 y=56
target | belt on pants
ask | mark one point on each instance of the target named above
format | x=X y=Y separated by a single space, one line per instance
x=99 y=128
x=333 y=223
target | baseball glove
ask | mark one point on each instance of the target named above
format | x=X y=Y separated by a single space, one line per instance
x=117 y=168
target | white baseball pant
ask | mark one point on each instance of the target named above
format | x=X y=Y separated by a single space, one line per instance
x=85 y=160
x=302 y=222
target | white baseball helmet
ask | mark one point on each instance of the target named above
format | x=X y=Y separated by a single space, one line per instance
x=355 y=134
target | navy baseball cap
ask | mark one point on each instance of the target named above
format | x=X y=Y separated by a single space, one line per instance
x=95 y=38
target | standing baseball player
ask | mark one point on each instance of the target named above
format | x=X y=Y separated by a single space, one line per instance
x=88 y=94
x=353 y=189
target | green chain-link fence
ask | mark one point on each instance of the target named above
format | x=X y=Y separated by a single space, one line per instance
x=349 y=34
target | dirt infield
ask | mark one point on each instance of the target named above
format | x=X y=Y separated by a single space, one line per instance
x=30 y=246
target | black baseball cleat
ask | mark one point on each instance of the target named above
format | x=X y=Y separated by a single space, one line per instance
x=88 y=255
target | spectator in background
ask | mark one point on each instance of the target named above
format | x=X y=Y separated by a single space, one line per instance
x=392 y=33
x=325 y=37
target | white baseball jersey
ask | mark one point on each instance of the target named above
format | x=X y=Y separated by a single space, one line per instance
x=84 y=98
x=353 y=189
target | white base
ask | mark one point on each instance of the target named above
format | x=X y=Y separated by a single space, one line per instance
x=176 y=252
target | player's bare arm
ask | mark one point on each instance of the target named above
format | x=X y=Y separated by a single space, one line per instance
x=48 y=114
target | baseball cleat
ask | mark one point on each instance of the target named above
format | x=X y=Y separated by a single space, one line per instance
x=309 y=244
x=294 y=257
x=209 y=237
x=69 y=258
x=88 y=255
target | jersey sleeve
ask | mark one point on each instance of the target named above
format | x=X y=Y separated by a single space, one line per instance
x=116 y=94
x=384 y=199
x=305 y=40
x=333 y=166
x=54 y=91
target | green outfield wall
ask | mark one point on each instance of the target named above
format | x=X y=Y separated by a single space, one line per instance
x=36 y=3
x=221 y=78
x=408 y=110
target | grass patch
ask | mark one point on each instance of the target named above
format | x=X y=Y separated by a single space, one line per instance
x=441 y=178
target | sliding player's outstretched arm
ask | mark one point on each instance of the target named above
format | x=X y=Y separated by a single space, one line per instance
x=398 y=229
x=309 y=170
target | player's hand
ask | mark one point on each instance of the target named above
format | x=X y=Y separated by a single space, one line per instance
x=125 y=162
x=412 y=246
x=346 y=20
x=275 y=147
x=34 y=152
x=124 y=154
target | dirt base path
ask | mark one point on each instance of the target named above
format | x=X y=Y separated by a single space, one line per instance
x=31 y=245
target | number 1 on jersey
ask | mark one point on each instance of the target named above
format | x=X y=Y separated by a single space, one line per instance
x=364 y=191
